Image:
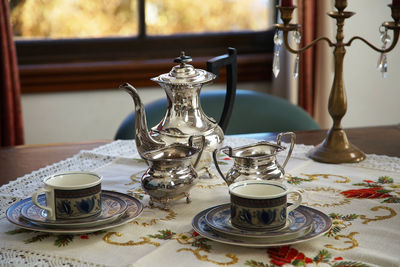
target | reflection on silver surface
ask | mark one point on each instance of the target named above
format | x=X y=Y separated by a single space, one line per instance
x=184 y=116
x=255 y=161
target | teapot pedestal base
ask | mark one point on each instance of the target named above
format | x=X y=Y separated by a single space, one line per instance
x=165 y=201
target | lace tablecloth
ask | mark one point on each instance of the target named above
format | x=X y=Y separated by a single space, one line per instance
x=362 y=199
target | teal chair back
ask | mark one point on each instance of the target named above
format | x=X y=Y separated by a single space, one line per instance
x=253 y=112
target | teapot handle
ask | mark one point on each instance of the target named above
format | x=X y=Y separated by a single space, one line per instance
x=201 y=147
x=213 y=65
x=215 y=154
x=292 y=141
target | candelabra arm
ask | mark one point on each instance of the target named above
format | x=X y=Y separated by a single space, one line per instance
x=395 y=39
x=295 y=51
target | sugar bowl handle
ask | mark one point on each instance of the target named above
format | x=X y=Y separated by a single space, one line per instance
x=215 y=155
x=292 y=142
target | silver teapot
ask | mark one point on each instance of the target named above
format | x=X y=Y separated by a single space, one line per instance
x=171 y=173
x=184 y=116
x=255 y=161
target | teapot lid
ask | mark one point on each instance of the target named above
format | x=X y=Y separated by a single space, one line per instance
x=185 y=74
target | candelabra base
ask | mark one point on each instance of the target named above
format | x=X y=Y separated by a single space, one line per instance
x=336 y=149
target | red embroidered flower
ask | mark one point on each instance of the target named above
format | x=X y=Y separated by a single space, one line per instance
x=366 y=193
x=227 y=158
x=195 y=233
x=368 y=181
x=84 y=237
x=285 y=254
x=338 y=259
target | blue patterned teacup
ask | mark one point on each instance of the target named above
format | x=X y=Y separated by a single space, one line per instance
x=260 y=204
x=71 y=195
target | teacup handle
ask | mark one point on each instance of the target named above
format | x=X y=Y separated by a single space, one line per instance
x=215 y=154
x=296 y=203
x=292 y=142
x=36 y=202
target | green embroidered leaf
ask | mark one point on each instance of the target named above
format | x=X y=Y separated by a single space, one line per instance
x=253 y=263
x=323 y=256
x=18 y=231
x=222 y=163
x=297 y=180
x=333 y=231
x=163 y=234
x=298 y=263
x=383 y=191
x=385 y=180
x=350 y=217
x=392 y=200
x=37 y=238
x=361 y=184
x=202 y=243
x=63 y=240
x=349 y=264
x=335 y=215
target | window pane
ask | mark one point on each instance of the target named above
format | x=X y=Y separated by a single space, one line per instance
x=73 y=18
x=165 y=17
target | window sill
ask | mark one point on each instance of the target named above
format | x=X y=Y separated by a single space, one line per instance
x=58 y=77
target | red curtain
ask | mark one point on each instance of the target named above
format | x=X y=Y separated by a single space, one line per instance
x=307 y=18
x=11 y=128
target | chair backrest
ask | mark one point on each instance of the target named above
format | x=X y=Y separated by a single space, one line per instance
x=253 y=112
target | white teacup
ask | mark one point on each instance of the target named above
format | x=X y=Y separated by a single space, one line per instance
x=71 y=195
x=260 y=204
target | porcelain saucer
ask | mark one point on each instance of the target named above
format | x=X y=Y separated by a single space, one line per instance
x=299 y=223
x=112 y=208
x=321 y=224
x=134 y=208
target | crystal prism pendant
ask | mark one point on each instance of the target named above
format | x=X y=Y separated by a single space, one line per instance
x=296 y=37
x=385 y=38
x=379 y=63
x=276 y=64
x=296 y=67
x=278 y=39
x=383 y=67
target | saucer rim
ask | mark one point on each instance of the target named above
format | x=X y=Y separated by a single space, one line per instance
x=257 y=234
x=247 y=243
x=124 y=219
x=76 y=223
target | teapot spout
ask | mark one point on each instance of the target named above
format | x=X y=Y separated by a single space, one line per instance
x=144 y=141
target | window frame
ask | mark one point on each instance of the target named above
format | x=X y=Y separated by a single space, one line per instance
x=53 y=65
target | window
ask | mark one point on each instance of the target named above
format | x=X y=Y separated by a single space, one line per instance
x=82 y=44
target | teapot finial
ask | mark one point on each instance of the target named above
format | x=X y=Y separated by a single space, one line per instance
x=183 y=59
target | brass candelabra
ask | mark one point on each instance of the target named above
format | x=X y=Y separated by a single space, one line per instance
x=336 y=148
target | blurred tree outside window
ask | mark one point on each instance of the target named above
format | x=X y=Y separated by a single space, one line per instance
x=55 y=19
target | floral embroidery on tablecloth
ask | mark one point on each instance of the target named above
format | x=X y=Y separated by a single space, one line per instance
x=199 y=245
x=383 y=188
x=60 y=240
x=152 y=214
x=289 y=256
x=340 y=222
x=296 y=180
